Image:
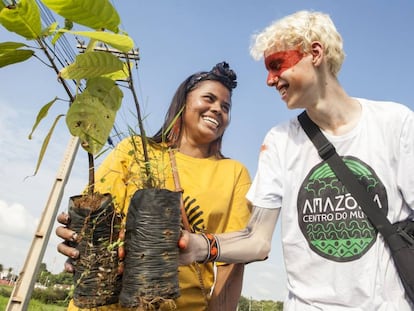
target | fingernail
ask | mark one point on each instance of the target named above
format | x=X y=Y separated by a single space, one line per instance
x=64 y=215
x=75 y=254
x=74 y=237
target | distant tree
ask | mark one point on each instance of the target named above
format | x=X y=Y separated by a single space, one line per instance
x=9 y=273
x=51 y=296
x=43 y=276
x=246 y=304
x=243 y=304
x=1 y=267
x=63 y=278
x=43 y=267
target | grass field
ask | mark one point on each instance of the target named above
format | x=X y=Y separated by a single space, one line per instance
x=34 y=305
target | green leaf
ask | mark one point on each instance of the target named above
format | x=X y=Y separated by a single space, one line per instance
x=41 y=115
x=50 y=30
x=46 y=143
x=68 y=24
x=173 y=121
x=23 y=19
x=106 y=91
x=120 y=42
x=90 y=120
x=91 y=65
x=10 y=46
x=95 y=14
x=120 y=75
x=10 y=53
x=13 y=57
x=56 y=37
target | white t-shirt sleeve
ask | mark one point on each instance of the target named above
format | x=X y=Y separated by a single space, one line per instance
x=405 y=172
x=266 y=189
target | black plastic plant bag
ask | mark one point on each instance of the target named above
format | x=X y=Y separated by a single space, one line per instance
x=96 y=276
x=150 y=276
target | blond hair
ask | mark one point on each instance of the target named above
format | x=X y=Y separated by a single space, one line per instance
x=299 y=30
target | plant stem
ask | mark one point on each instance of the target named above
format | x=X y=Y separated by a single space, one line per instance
x=91 y=183
x=52 y=62
x=149 y=182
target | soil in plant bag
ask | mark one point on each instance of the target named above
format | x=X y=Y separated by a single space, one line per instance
x=96 y=276
x=150 y=276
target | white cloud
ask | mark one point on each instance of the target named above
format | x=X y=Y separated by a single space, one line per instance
x=17 y=226
x=16 y=221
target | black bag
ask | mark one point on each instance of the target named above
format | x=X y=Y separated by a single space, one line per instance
x=398 y=236
x=401 y=244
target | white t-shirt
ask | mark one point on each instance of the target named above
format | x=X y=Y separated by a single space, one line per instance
x=334 y=258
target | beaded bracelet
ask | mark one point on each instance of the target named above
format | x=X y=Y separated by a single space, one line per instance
x=213 y=247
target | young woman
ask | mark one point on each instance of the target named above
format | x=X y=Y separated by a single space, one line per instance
x=214 y=186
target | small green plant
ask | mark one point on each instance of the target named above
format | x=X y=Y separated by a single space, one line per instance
x=93 y=106
x=102 y=62
x=97 y=71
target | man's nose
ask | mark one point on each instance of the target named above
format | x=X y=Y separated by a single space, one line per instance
x=272 y=79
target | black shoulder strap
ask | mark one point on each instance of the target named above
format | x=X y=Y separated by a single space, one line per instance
x=328 y=153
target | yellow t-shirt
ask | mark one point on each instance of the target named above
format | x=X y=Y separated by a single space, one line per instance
x=214 y=199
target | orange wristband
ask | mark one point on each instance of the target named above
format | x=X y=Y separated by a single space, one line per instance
x=213 y=247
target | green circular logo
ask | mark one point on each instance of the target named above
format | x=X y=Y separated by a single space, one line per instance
x=329 y=216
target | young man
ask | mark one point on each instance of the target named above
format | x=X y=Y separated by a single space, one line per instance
x=335 y=260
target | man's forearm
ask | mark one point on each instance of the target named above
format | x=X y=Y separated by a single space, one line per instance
x=250 y=244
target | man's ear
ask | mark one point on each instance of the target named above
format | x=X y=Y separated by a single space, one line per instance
x=317 y=52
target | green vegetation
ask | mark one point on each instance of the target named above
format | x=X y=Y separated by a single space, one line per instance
x=34 y=305
x=48 y=299
x=52 y=292
x=52 y=299
x=40 y=304
x=246 y=304
x=49 y=279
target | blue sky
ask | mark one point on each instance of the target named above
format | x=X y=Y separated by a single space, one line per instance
x=177 y=38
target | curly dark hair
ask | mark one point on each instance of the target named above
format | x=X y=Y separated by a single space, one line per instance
x=220 y=72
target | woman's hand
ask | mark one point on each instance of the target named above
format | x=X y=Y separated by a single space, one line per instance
x=69 y=237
